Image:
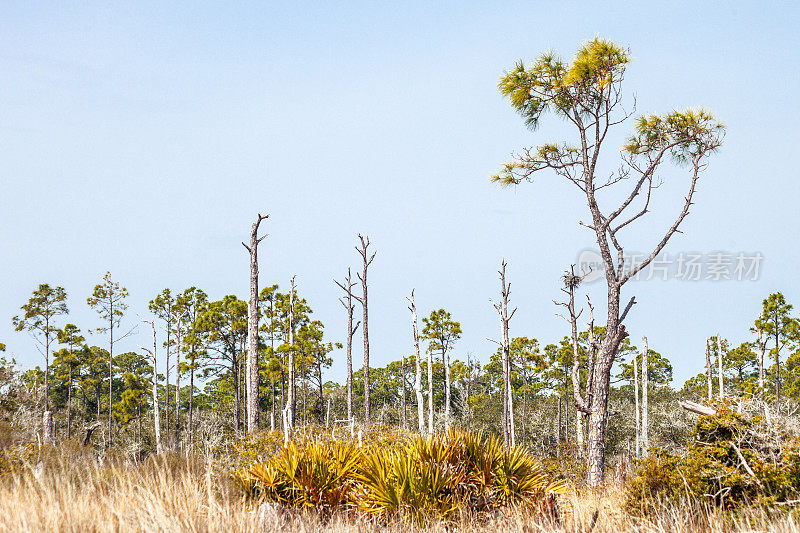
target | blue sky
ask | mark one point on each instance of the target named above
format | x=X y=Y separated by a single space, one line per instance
x=143 y=139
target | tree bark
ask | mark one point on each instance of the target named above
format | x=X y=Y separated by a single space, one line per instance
x=252 y=328
x=47 y=427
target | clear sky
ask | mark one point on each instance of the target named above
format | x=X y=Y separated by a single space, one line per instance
x=143 y=138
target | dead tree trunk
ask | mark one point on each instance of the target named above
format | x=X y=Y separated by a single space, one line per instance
x=762 y=348
x=719 y=363
x=347 y=302
x=645 y=387
x=505 y=318
x=156 y=410
x=417 y=367
x=362 y=276
x=709 y=378
x=636 y=409
x=179 y=335
x=252 y=328
x=571 y=283
x=291 y=397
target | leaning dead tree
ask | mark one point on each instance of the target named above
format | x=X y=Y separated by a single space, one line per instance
x=252 y=327
x=417 y=367
x=587 y=94
x=347 y=302
x=156 y=411
x=363 y=251
x=505 y=318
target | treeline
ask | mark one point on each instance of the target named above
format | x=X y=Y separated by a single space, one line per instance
x=199 y=346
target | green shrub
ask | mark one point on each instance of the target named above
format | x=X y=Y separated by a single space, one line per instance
x=441 y=476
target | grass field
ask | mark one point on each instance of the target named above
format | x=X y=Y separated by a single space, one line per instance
x=68 y=489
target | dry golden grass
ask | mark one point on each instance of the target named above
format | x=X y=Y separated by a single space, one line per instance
x=70 y=490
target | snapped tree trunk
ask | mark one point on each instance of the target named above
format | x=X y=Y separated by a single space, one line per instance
x=505 y=318
x=252 y=328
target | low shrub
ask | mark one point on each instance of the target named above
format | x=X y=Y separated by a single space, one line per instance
x=442 y=476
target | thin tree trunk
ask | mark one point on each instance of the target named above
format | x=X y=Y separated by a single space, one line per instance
x=252 y=329
x=636 y=410
x=178 y=388
x=347 y=287
x=156 y=410
x=446 y=362
x=558 y=427
x=777 y=366
x=709 y=378
x=417 y=367
x=110 y=370
x=762 y=347
x=505 y=318
x=166 y=375
x=69 y=399
x=366 y=262
x=291 y=396
x=237 y=397
x=405 y=414
x=645 y=387
x=719 y=362
x=430 y=392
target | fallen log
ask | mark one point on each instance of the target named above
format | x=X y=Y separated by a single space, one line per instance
x=697 y=408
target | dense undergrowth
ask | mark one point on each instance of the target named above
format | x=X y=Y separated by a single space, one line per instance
x=739 y=457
